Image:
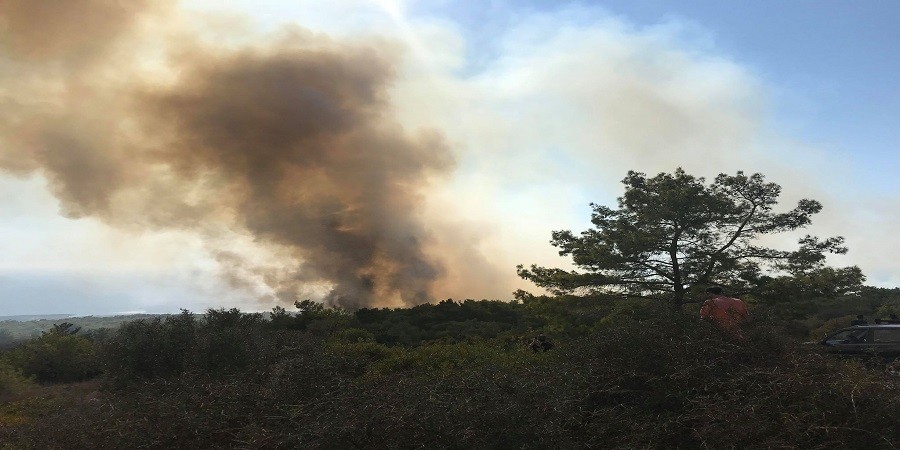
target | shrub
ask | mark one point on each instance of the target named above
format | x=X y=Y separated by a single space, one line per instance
x=224 y=342
x=149 y=348
x=352 y=335
x=57 y=358
x=221 y=349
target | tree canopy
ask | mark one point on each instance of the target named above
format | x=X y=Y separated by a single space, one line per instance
x=674 y=232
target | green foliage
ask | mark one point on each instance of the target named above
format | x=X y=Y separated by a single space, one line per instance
x=821 y=282
x=310 y=315
x=623 y=373
x=64 y=328
x=226 y=347
x=353 y=335
x=647 y=379
x=149 y=348
x=231 y=318
x=280 y=318
x=56 y=357
x=448 y=320
x=223 y=342
x=672 y=232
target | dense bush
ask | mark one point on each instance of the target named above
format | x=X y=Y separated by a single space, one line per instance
x=652 y=379
x=448 y=320
x=622 y=374
x=221 y=342
x=56 y=357
x=149 y=348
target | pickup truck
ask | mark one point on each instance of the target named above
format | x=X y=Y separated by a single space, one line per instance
x=878 y=339
x=881 y=340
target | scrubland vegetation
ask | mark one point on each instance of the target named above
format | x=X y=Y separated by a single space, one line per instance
x=623 y=373
x=632 y=366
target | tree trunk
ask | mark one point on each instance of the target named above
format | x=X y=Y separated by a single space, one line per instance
x=677 y=285
x=677 y=297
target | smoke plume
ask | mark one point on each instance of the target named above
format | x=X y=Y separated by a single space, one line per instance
x=292 y=143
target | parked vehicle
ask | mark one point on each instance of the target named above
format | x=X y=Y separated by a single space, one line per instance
x=881 y=341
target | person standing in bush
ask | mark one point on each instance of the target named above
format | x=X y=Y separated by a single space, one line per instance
x=728 y=313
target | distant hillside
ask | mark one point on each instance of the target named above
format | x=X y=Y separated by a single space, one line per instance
x=20 y=327
x=30 y=317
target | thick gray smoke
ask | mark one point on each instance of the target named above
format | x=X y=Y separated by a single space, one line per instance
x=292 y=143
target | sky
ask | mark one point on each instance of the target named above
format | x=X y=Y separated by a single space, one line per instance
x=195 y=155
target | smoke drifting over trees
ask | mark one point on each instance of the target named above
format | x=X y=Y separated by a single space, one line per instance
x=291 y=142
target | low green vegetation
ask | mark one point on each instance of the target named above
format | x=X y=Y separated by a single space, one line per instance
x=623 y=373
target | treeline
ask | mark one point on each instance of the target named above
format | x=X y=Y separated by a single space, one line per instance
x=153 y=345
x=69 y=352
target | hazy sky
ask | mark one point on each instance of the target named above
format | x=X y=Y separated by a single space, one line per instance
x=498 y=121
